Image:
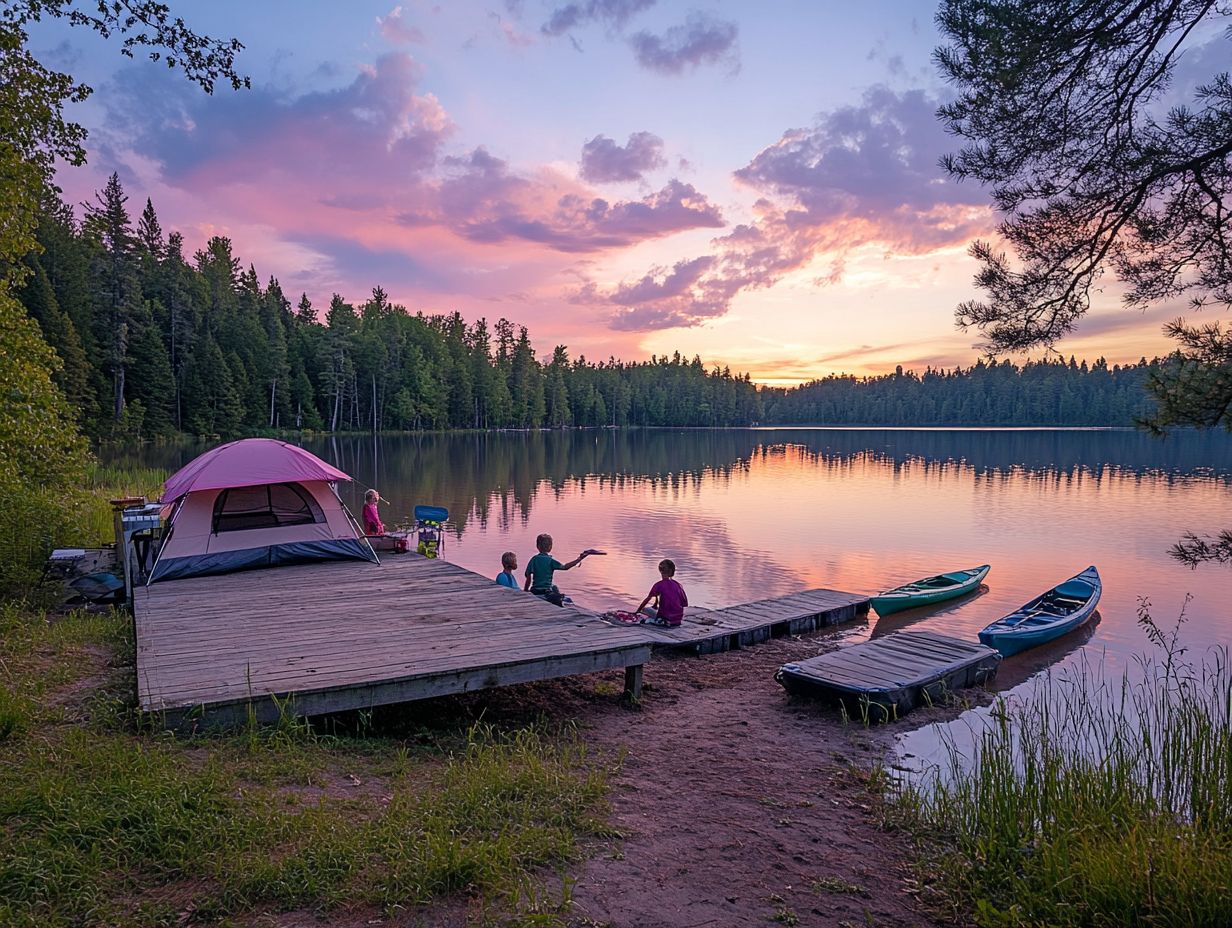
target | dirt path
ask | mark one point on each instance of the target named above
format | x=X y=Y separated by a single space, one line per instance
x=740 y=806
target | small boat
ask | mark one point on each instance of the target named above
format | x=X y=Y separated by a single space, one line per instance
x=930 y=590
x=1060 y=610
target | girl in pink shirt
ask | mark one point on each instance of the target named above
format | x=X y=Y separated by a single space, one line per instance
x=372 y=519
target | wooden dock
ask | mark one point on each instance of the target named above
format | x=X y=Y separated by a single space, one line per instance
x=709 y=631
x=327 y=637
x=882 y=679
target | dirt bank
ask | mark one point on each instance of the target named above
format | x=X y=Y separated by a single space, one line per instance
x=741 y=806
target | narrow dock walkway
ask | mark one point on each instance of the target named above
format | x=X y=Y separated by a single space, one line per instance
x=880 y=680
x=328 y=637
x=709 y=631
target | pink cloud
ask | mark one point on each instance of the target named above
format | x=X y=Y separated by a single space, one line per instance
x=862 y=175
x=365 y=162
x=397 y=31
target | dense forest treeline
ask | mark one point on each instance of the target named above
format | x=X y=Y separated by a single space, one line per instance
x=153 y=342
x=1048 y=392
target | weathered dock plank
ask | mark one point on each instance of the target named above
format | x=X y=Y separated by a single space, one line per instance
x=713 y=630
x=887 y=677
x=332 y=636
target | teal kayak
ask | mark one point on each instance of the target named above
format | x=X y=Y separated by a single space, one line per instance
x=930 y=590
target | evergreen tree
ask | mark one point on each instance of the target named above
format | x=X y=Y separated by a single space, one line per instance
x=73 y=373
x=212 y=405
x=153 y=380
x=117 y=293
x=339 y=376
x=556 y=390
x=150 y=233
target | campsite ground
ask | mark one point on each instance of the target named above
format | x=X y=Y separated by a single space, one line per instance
x=732 y=804
x=718 y=801
x=737 y=805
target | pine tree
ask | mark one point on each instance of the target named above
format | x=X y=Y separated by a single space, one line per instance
x=339 y=376
x=150 y=233
x=153 y=380
x=212 y=405
x=556 y=391
x=73 y=374
x=118 y=288
x=304 y=313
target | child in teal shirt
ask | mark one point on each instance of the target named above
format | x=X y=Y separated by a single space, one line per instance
x=541 y=567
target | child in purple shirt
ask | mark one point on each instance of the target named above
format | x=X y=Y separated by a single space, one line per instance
x=669 y=597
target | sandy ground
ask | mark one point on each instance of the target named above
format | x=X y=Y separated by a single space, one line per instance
x=738 y=805
x=742 y=806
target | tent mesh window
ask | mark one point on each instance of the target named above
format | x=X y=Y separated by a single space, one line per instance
x=273 y=505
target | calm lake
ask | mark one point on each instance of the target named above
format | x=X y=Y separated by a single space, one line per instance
x=752 y=513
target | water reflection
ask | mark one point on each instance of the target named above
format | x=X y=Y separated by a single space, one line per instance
x=512 y=464
x=899 y=621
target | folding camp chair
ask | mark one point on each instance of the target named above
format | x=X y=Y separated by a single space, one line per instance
x=429 y=522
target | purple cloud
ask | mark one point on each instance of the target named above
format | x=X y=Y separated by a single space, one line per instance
x=661 y=284
x=484 y=202
x=703 y=39
x=397 y=31
x=860 y=175
x=375 y=124
x=604 y=161
x=615 y=13
x=866 y=160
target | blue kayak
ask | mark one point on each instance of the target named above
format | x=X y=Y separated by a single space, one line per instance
x=1055 y=613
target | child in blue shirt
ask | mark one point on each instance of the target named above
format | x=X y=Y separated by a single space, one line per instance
x=509 y=561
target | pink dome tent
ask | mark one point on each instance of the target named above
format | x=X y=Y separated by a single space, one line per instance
x=255 y=503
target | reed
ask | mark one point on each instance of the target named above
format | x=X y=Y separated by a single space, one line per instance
x=105 y=482
x=1093 y=801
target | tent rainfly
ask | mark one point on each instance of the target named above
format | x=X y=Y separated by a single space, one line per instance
x=255 y=503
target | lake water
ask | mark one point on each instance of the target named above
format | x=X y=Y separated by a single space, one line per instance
x=748 y=514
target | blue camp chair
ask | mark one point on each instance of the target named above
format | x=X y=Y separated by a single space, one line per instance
x=429 y=522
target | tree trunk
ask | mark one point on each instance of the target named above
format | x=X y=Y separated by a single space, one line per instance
x=119 y=392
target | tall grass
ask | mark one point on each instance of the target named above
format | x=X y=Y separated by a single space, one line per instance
x=107 y=482
x=1093 y=801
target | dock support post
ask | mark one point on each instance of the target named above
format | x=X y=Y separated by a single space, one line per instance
x=633 y=682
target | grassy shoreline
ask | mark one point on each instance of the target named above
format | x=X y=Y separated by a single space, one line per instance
x=108 y=823
x=1092 y=801
x=108 y=820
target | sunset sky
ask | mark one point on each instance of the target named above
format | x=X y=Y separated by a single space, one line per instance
x=756 y=183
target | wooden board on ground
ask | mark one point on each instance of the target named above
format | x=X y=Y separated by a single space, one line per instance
x=327 y=637
x=709 y=631
x=887 y=677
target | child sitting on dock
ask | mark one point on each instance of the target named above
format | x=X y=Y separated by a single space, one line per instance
x=372 y=519
x=509 y=561
x=669 y=597
x=541 y=567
